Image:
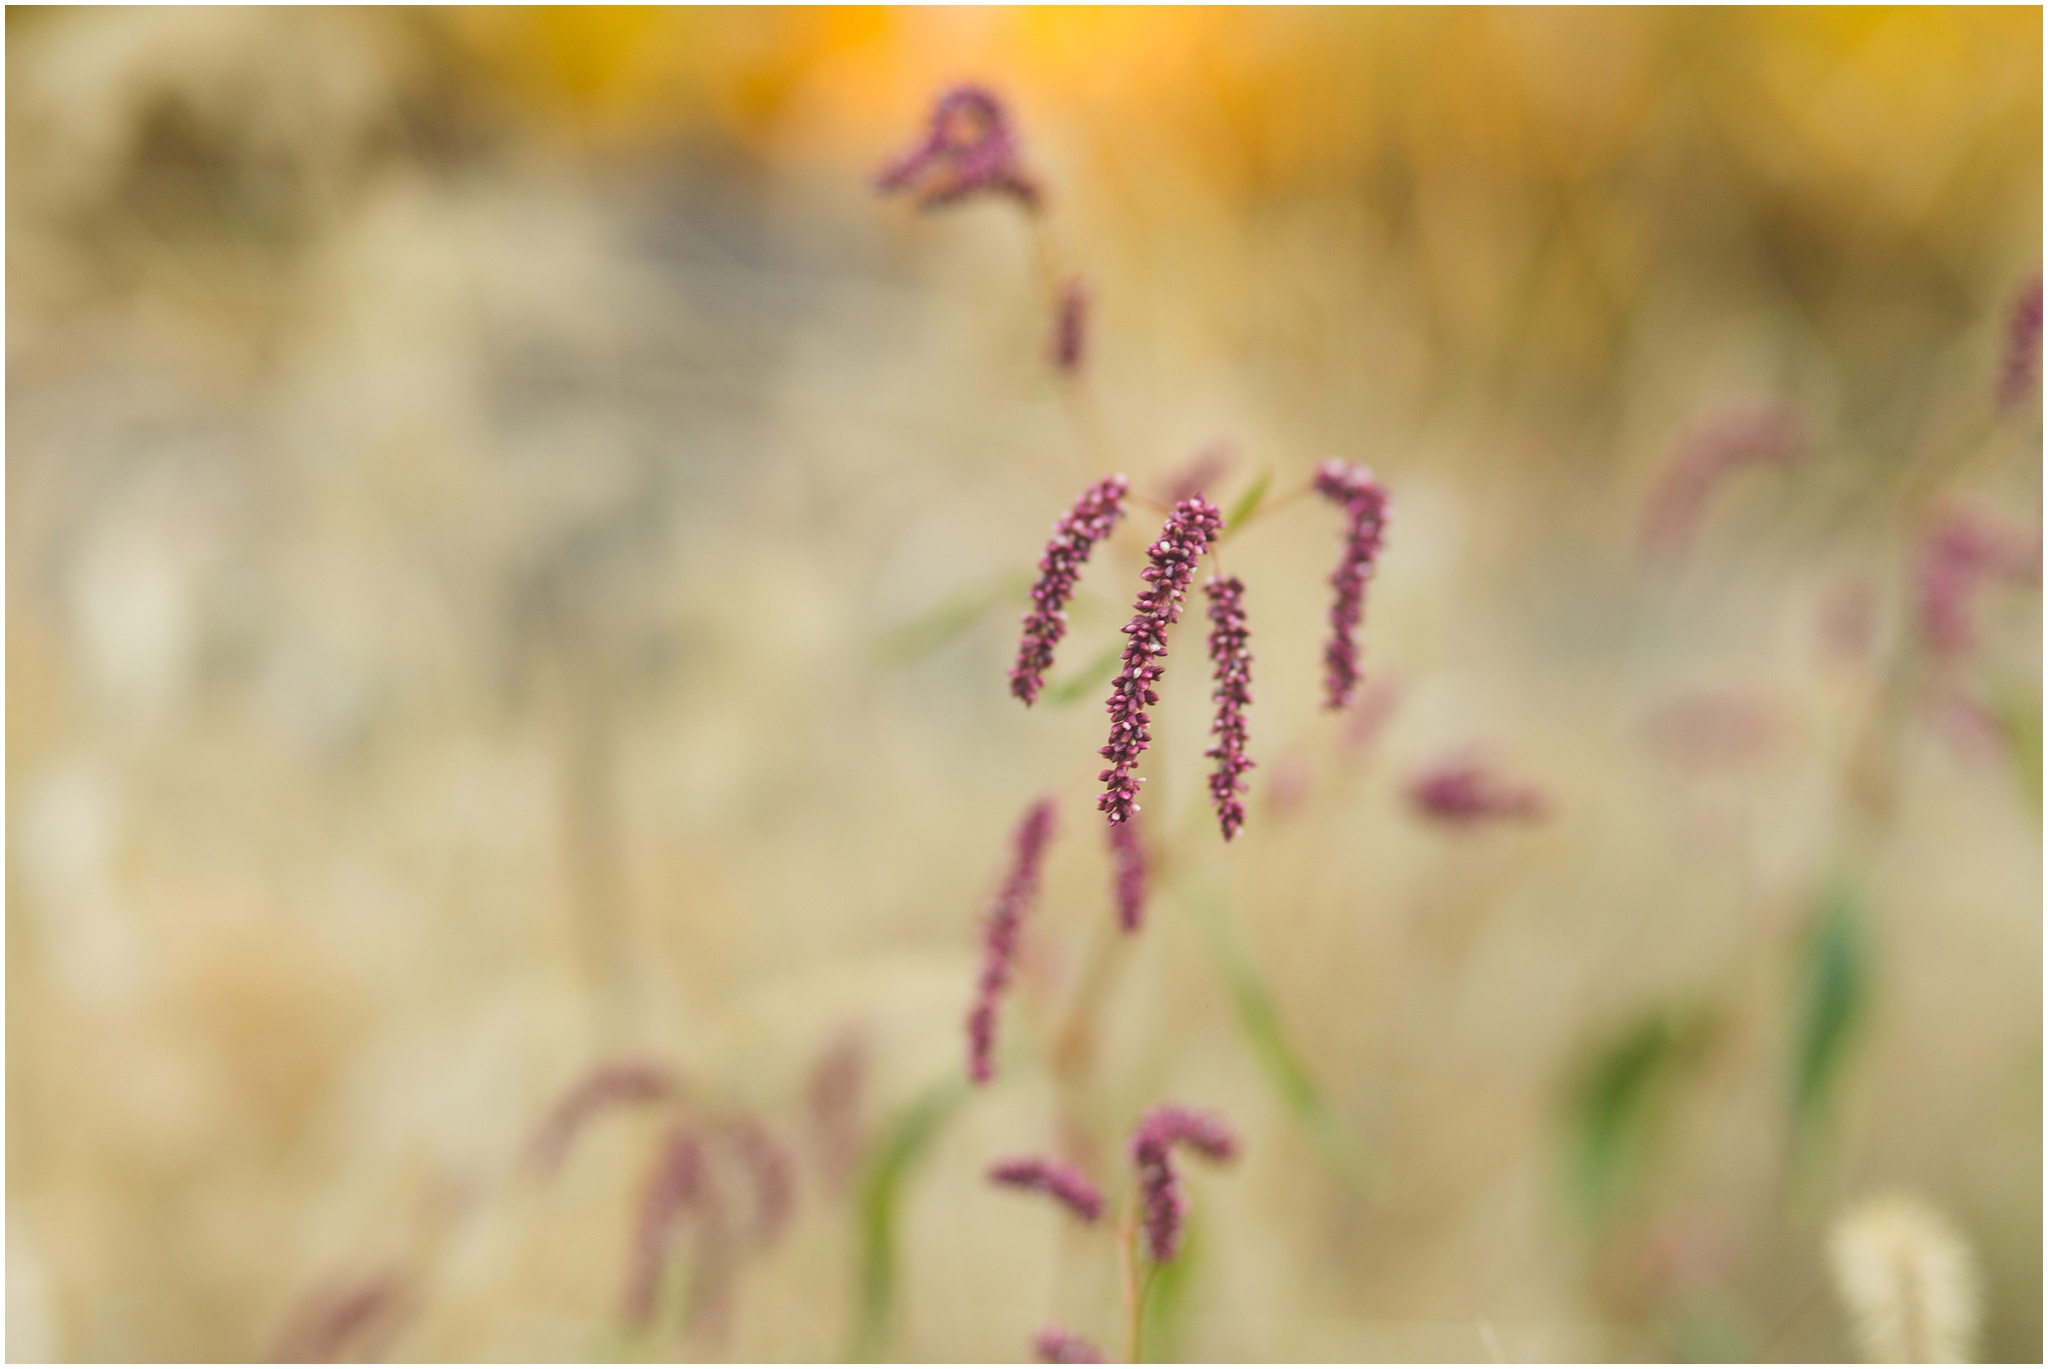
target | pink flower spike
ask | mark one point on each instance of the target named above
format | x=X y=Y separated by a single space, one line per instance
x=1462 y=793
x=1070 y=328
x=673 y=1188
x=1233 y=692
x=1963 y=551
x=1127 y=853
x=1190 y=529
x=967 y=149
x=1005 y=917
x=2022 y=345
x=1206 y=469
x=621 y=1083
x=1093 y=517
x=1057 y=1345
x=1062 y=1183
x=1705 y=457
x=1162 y=1204
x=1364 y=501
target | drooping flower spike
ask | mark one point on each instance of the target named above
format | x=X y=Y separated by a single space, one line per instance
x=1062 y=1183
x=1005 y=917
x=1364 y=501
x=1190 y=530
x=1722 y=444
x=1127 y=854
x=1233 y=660
x=1057 y=1345
x=1162 y=1204
x=1461 y=793
x=2022 y=345
x=967 y=149
x=1962 y=552
x=1070 y=328
x=1093 y=517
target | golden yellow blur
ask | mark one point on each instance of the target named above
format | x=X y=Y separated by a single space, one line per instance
x=513 y=552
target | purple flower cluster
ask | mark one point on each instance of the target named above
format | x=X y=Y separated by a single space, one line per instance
x=1962 y=552
x=672 y=1189
x=1190 y=529
x=1162 y=1205
x=1703 y=460
x=1004 y=919
x=967 y=149
x=1057 y=1345
x=1464 y=792
x=1070 y=328
x=1093 y=517
x=621 y=1083
x=1227 y=638
x=1127 y=854
x=2022 y=345
x=1062 y=1183
x=1364 y=501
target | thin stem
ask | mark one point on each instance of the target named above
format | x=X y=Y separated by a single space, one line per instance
x=1134 y=1286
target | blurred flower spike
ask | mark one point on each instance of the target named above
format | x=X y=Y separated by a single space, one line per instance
x=1127 y=855
x=1162 y=1205
x=1704 y=458
x=1057 y=1345
x=2022 y=345
x=1064 y=1184
x=1070 y=328
x=1364 y=501
x=1005 y=920
x=967 y=149
x=1463 y=793
x=1963 y=551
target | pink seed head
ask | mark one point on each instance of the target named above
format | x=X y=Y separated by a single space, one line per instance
x=1364 y=501
x=1190 y=530
x=967 y=149
x=1127 y=854
x=1005 y=918
x=2022 y=345
x=1057 y=1345
x=1704 y=458
x=1070 y=328
x=1228 y=637
x=1093 y=517
x=1061 y=1182
x=1161 y=1201
x=674 y=1185
x=1964 y=550
x=621 y=1083
x=1462 y=793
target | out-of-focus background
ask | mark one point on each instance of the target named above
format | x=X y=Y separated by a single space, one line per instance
x=513 y=551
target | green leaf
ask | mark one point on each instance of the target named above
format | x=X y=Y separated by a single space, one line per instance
x=1167 y=1287
x=1283 y=1070
x=2018 y=710
x=882 y=1185
x=1091 y=678
x=1619 y=1098
x=936 y=626
x=1833 y=992
x=1248 y=502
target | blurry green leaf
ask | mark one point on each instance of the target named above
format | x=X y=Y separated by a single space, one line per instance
x=883 y=1180
x=1339 y=1149
x=1832 y=992
x=1248 y=502
x=2018 y=710
x=928 y=631
x=1091 y=678
x=1164 y=1314
x=1618 y=1099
